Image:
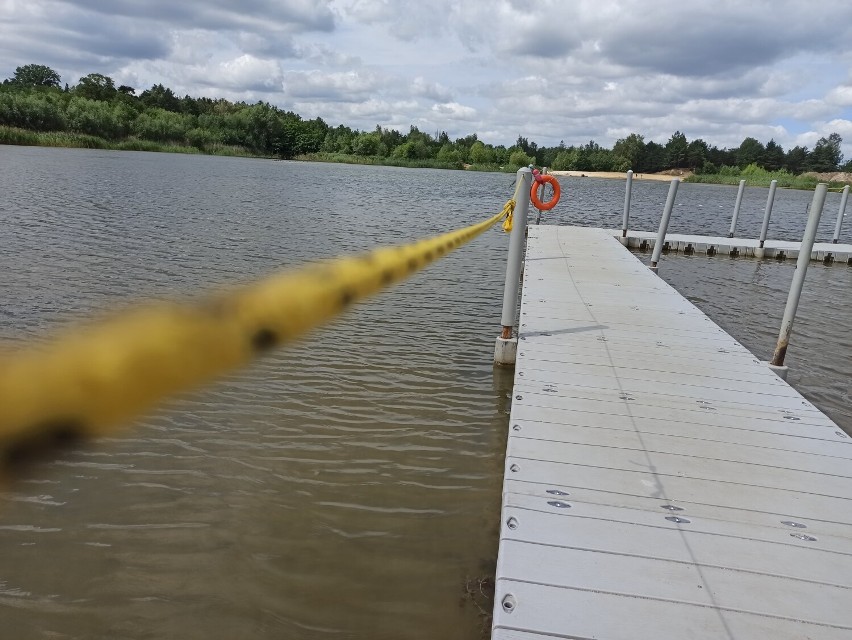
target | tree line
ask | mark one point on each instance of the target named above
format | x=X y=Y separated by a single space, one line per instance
x=34 y=99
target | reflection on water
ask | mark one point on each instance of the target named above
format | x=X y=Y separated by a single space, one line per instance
x=349 y=486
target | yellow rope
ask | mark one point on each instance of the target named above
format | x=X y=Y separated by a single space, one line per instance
x=94 y=379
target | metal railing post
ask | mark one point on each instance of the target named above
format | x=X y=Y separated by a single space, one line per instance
x=628 y=190
x=765 y=228
x=541 y=196
x=840 y=213
x=664 y=224
x=505 y=350
x=737 y=208
x=777 y=362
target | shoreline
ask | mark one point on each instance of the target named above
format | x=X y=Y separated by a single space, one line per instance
x=622 y=175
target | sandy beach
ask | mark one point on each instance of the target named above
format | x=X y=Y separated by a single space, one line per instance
x=664 y=177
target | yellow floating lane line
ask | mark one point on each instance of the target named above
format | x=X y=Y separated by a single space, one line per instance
x=94 y=379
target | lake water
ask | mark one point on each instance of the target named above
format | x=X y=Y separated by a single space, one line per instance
x=348 y=486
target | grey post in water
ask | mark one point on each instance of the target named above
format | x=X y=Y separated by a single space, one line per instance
x=541 y=195
x=777 y=362
x=840 y=213
x=627 y=192
x=506 y=348
x=664 y=224
x=737 y=208
x=769 y=200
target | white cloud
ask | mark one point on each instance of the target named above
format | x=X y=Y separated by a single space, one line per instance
x=454 y=111
x=247 y=72
x=840 y=96
x=431 y=90
x=335 y=86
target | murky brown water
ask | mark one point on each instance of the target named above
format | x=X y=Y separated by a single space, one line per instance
x=343 y=488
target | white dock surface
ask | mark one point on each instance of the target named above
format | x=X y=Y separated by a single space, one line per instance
x=660 y=481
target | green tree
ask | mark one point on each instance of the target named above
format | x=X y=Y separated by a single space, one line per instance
x=676 y=150
x=520 y=159
x=96 y=117
x=338 y=140
x=160 y=96
x=773 y=156
x=480 y=154
x=464 y=145
x=826 y=155
x=96 y=86
x=796 y=159
x=721 y=157
x=162 y=126
x=630 y=149
x=654 y=158
x=367 y=144
x=391 y=138
x=696 y=153
x=412 y=150
x=36 y=75
x=201 y=138
x=37 y=110
x=595 y=157
x=567 y=160
x=751 y=151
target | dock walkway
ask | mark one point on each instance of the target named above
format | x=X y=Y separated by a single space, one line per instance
x=660 y=482
x=716 y=245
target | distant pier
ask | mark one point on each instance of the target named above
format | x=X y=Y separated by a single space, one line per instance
x=825 y=252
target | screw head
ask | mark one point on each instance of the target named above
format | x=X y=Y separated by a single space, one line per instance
x=557 y=492
x=508 y=603
x=559 y=503
x=678 y=520
x=671 y=507
x=803 y=536
x=797 y=525
x=512 y=523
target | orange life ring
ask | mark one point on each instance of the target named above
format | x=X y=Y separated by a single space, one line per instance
x=538 y=204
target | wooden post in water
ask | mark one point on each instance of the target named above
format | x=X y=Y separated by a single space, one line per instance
x=737 y=208
x=506 y=347
x=759 y=252
x=777 y=362
x=840 y=214
x=664 y=224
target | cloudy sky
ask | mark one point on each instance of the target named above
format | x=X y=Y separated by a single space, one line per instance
x=549 y=70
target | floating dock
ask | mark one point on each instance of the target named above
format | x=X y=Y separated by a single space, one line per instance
x=825 y=252
x=660 y=481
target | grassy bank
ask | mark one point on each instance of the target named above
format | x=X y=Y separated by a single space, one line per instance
x=412 y=163
x=25 y=137
x=758 y=177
